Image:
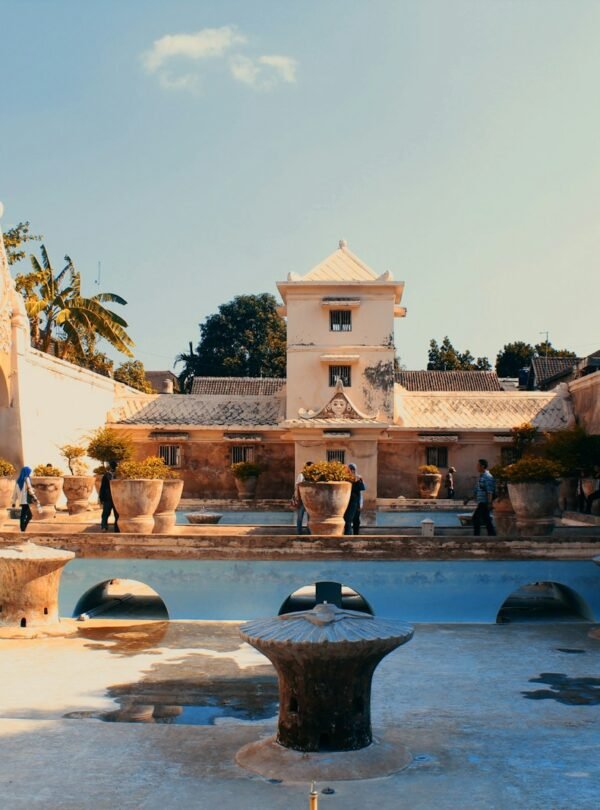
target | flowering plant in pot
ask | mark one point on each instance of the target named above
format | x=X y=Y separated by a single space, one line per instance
x=106 y=444
x=47 y=480
x=7 y=484
x=429 y=480
x=136 y=492
x=79 y=485
x=325 y=493
x=246 y=477
x=533 y=489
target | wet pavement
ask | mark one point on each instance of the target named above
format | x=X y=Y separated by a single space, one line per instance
x=496 y=716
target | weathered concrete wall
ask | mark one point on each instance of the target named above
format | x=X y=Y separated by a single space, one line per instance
x=585 y=393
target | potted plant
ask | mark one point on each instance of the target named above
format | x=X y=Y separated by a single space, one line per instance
x=79 y=485
x=574 y=451
x=246 y=475
x=47 y=482
x=429 y=480
x=533 y=490
x=325 y=493
x=504 y=514
x=7 y=483
x=164 y=514
x=136 y=492
x=106 y=444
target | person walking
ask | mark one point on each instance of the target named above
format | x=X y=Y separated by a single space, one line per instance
x=485 y=491
x=105 y=497
x=299 y=506
x=24 y=494
x=449 y=483
x=352 y=513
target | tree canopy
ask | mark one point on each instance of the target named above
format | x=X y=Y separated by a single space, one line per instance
x=518 y=355
x=245 y=338
x=444 y=357
x=15 y=238
x=133 y=373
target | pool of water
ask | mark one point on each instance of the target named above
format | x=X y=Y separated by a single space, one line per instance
x=383 y=519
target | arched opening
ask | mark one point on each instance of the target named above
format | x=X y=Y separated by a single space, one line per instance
x=23 y=622
x=121 y=599
x=334 y=593
x=544 y=602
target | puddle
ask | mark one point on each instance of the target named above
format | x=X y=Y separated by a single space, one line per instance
x=566 y=690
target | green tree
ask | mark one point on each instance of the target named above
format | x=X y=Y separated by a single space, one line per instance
x=132 y=373
x=444 y=357
x=245 y=338
x=513 y=357
x=546 y=349
x=62 y=319
x=14 y=238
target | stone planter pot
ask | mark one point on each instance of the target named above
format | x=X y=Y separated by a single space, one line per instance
x=164 y=517
x=246 y=487
x=48 y=489
x=7 y=487
x=77 y=489
x=567 y=494
x=326 y=503
x=504 y=515
x=98 y=482
x=429 y=484
x=203 y=518
x=534 y=503
x=135 y=500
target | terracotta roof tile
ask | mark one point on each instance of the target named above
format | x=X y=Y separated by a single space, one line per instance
x=237 y=386
x=448 y=380
x=191 y=409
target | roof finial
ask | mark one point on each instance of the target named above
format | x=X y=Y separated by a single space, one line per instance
x=343 y=244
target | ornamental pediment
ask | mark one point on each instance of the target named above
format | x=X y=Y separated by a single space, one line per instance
x=340 y=406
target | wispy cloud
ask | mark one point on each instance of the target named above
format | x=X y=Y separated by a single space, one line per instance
x=170 y=60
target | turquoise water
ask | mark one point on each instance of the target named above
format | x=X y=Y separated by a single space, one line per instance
x=383 y=519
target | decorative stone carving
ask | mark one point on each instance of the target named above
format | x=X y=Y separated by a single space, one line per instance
x=339 y=407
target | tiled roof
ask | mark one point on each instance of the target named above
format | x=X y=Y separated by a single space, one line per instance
x=157 y=378
x=342 y=265
x=448 y=380
x=482 y=411
x=190 y=409
x=546 y=367
x=237 y=386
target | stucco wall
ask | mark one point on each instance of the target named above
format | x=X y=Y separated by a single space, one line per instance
x=585 y=393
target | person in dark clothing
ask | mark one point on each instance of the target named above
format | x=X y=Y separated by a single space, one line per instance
x=352 y=513
x=105 y=497
x=24 y=495
x=485 y=491
x=449 y=483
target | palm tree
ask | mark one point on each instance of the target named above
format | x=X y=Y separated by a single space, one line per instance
x=59 y=314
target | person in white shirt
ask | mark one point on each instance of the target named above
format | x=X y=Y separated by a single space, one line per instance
x=24 y=494
x=300 y=510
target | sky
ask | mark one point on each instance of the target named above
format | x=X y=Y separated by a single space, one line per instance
x=195 y=150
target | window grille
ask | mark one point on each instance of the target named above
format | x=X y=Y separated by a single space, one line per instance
x=340 y=320
x=336 y=455
x=241 y=452
x=343 y=372
x=437 y=456
x=170 y=454
x=508 y=455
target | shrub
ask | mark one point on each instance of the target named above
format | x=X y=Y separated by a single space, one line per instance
x=428 y=469
x=6 y=469
x=326 y=471
x=73 y=453
x=47 y=471
x=523 y=437
x=148 y=468
x=107 y=444
x=246 y=469
x=100 y=470
x=572 y=449
x=532 y=469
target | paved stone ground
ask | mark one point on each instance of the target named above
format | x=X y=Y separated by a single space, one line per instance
x=496 y=716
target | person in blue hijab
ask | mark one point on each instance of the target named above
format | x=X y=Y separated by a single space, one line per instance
x=24 y=495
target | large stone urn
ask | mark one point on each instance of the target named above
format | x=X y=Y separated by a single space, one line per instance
x=164 y=517
x=429 y=484
x=77 y=489
x=567 y=494
x=246 y=487
x=504 y=515
x=326 y=502
x=48 y=489
x=135 y=500
x=535 y=503
x=7 y=487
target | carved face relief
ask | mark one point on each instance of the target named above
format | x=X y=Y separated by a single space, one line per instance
x=338 y=406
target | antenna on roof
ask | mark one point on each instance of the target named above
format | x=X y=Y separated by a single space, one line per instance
x=547 y=341
x=97 y=282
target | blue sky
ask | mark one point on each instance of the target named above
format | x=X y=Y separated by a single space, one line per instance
x=200 y=150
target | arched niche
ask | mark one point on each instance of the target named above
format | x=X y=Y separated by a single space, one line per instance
x=544 y=601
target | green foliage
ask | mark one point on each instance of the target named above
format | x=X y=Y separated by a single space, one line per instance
x=107 y=444
x=62 y=319
x=133 y=373
x=428 y=469
x=72 y=453
x=246 y=469
x=326 y=471
x=14 y=238
x=514 y=357
x=532 y=469
x=546 y=349
x=6 y=469
x=245 y=338
x=445 y=357
x=95 y=361
x=572 y=449
x=523 y=438
x=151 y=467
x=47 y=471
